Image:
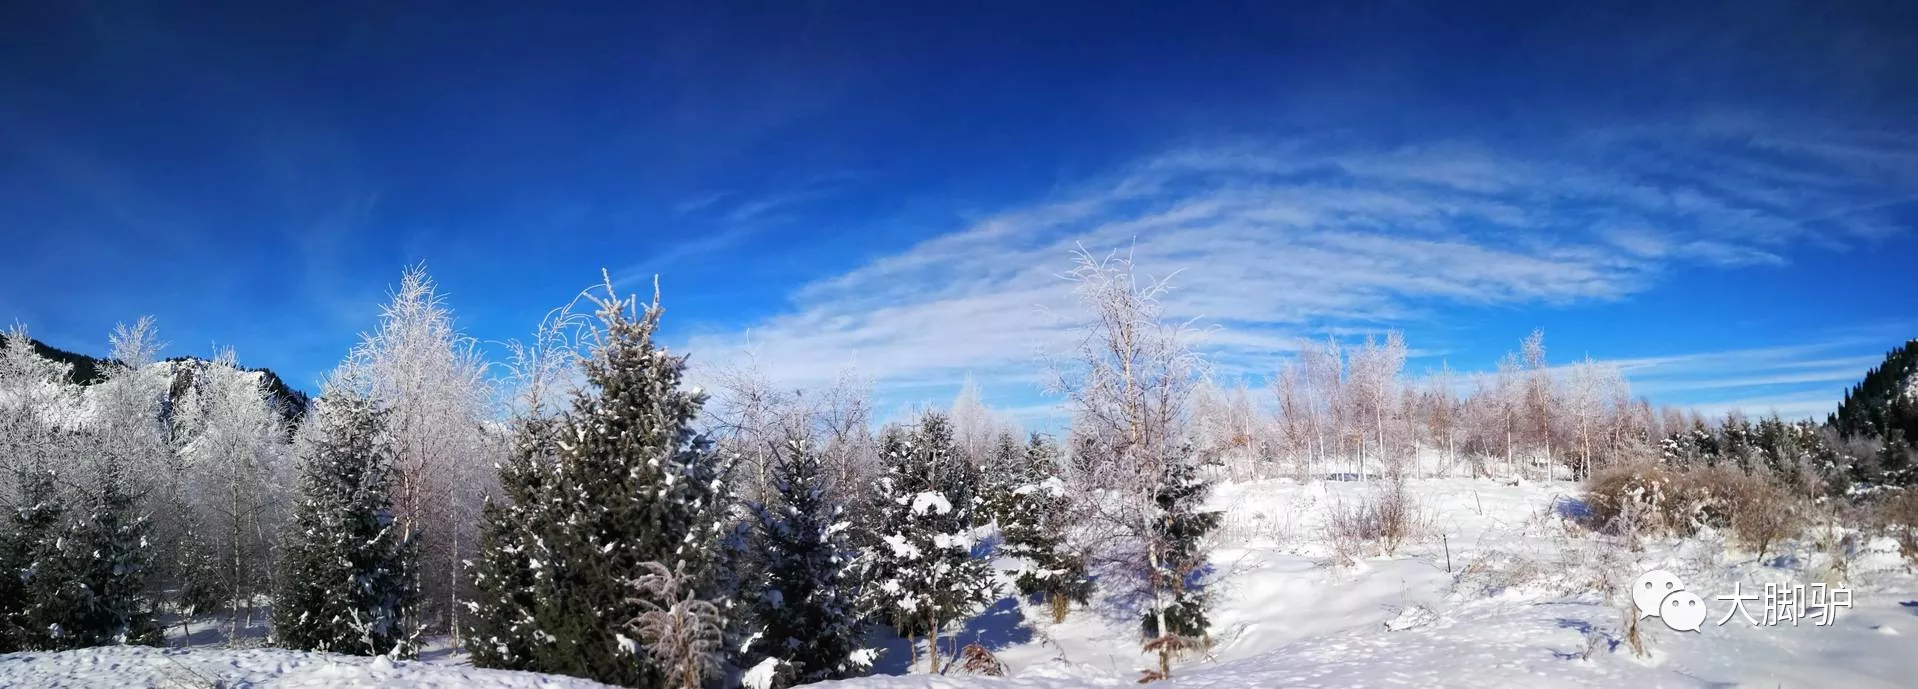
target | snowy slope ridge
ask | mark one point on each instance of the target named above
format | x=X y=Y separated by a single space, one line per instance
x=132 y=666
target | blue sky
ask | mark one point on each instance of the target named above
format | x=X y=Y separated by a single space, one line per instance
x=1724 y=199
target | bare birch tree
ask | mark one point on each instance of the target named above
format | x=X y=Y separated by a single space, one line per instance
x=235 y=445
x=433 y=383
x=1129 y=387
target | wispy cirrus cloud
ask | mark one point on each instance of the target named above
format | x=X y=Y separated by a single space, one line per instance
x=1278 y=241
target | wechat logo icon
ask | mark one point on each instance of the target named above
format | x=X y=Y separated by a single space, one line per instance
x=1660 y=594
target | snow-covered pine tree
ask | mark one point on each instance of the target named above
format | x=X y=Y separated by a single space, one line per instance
x=1004 y=473
x=506 y=572
x=104 y=565
x=806 y=608
x=1180 y=527
x=1034 y=526
x=922 y=572
x=114 y=552
x=346 y=587
x=27 y=561
x=632 y=484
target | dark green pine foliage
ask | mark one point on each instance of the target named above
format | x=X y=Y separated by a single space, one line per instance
x=922 y=571
x=28 y=565
x=1034 y=526
x=632 y=484
x=805 y=609
x=103 y=569
x=1178 y=531
x=511 y=547
x=1884 y=407
x=345 y=585
x=195 y=572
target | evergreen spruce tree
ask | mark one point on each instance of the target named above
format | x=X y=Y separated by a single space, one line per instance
x=1178 y=530
x=346 y=587
x=103 y=568
x=1004 y=472
x=28 y=584
x=1735 y=442
x=1895 y=460
x=806 y=609
x=923 y=571
x=511 y=550
x=632 y=486
x=1034 y=527
x=194 y=570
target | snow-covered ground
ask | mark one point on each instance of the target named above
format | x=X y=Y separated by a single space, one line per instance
x=118 y=667
x=1521 y=605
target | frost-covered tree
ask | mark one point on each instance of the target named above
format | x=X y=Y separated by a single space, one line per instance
x=1438 y=411
x=806 y=610
x=1033 y=524
x=1374 y=379
x=1585 y=402
x=347 y=585
x=233 y=440
x=433 y=385
x=922 y=571
x=1226 y=429
x=1540 y=396
x=631 y=483
x=1130 y=388
x=681 y=631
x=975 y=425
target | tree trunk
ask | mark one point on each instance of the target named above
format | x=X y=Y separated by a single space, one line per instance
x=932 y=652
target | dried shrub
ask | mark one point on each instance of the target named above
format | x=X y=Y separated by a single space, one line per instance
x=974 y=659
x=1640 y=499
x=1763 y=514
x=1643 y=499
x=1899 y=517
x=1381 y=522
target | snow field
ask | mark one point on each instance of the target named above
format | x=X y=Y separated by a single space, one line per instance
x=1522 y=606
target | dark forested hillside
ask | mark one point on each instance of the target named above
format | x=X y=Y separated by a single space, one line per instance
x=1884 y=406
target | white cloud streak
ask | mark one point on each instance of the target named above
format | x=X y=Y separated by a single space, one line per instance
x=1273 y=243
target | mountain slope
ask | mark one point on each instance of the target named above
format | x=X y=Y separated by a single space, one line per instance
x=87 y=370
x=1884 y=405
